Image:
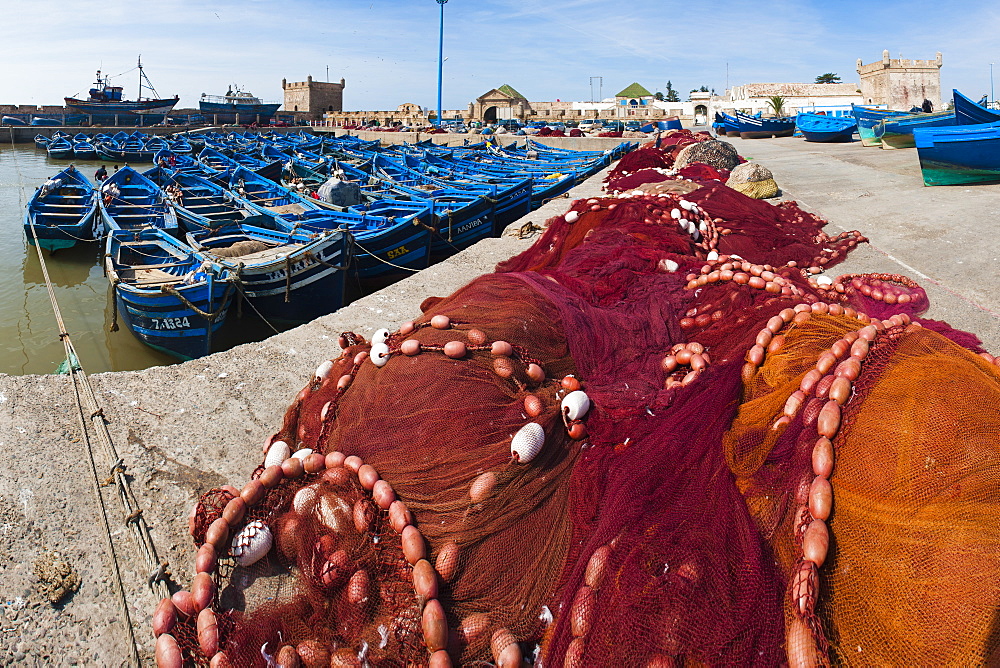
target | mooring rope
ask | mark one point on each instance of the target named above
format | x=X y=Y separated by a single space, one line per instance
x=84 y=394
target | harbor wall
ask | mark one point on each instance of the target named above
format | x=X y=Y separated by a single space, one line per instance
x=392 y=138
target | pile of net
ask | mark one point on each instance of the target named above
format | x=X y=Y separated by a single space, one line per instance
x=661 y=436
x=753 y=180
x=677 y=154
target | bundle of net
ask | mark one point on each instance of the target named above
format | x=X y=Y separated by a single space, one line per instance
x=678 y=154
x=623 y=448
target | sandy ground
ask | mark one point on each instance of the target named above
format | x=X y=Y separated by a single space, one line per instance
x=184 y=429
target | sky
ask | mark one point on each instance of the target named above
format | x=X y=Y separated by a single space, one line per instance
x=387 y=50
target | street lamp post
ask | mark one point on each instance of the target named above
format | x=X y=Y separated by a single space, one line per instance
x=440 y=60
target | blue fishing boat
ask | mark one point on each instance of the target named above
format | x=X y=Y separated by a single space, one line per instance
x=752 y=127
x=131 y=149
x=198 y=202
x=183 y=162
x=868 y=118
x=63 y=211
x=822 y=128
x=267 y=197
x=458 y=218
x=130 y=201
x=897 y=132
x=170 y=297
x=960 y=154
x=287 y=276
x=60 y=148
x=968 y=112
x=41 y=141
x=12 y=120
x=48 y=122
x=105 y=104
x=384 y=247
x=84 y=150
x=512 y=195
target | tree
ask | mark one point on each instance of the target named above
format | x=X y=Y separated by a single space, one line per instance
x=672 y=95
x=658 y=96
x=829 y=77
x=777 y=104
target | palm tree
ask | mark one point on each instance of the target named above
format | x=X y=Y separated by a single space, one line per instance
x=777 y=104
x=829 y=77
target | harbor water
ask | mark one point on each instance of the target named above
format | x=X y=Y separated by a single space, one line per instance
x=29 y=336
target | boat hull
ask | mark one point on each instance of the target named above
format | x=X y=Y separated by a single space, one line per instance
x=960 y=155
x=243 y=113
x=829 y=137
x=145 y=112
x=764 y=128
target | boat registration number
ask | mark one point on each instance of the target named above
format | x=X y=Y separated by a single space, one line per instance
x=171 y=323
x=396 y=252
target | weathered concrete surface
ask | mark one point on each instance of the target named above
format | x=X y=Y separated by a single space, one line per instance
x=942 y=237
x=187 y=428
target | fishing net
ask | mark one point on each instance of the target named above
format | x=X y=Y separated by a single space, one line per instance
x=764 y=468
x=718 y=154
x=753 y=180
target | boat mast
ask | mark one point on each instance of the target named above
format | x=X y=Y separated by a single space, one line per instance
x=140 y=79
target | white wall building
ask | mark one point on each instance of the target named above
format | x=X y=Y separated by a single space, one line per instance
x=834 y=99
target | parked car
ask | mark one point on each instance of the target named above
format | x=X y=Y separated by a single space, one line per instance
x=633 y=125
x=590 y=124
x=613 y=126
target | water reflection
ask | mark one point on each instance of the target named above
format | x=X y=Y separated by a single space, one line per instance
x=67 y=267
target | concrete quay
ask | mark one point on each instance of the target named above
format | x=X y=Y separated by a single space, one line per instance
x=187 y=428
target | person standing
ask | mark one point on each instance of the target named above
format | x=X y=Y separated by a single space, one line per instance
x=101 y=174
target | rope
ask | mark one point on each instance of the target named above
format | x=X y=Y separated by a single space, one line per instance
x=397 y=266
x=84 y=393
x=170 y=290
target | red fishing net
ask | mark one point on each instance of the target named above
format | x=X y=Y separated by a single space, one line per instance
x=757 y=472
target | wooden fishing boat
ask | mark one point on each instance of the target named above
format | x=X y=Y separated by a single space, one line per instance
x=41 y=141
x=198 y=202
x=63 y=212
x=752 y=127
x=867 y=119
x=968 y=112
x=266 y=196
x=12 y=120
x=822 y=128
x=170 y=297
x=84 y=150
x=384 y=248
x=459 y=218
x=60 y=148
x=897 y=132
x=287 y=276
x=183 y=163
x=512 y=196
x=959 y=155
x=130 y=201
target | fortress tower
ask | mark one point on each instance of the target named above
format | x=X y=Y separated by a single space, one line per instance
x=901 y=84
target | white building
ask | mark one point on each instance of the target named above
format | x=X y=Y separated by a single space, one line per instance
x=833 y=99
